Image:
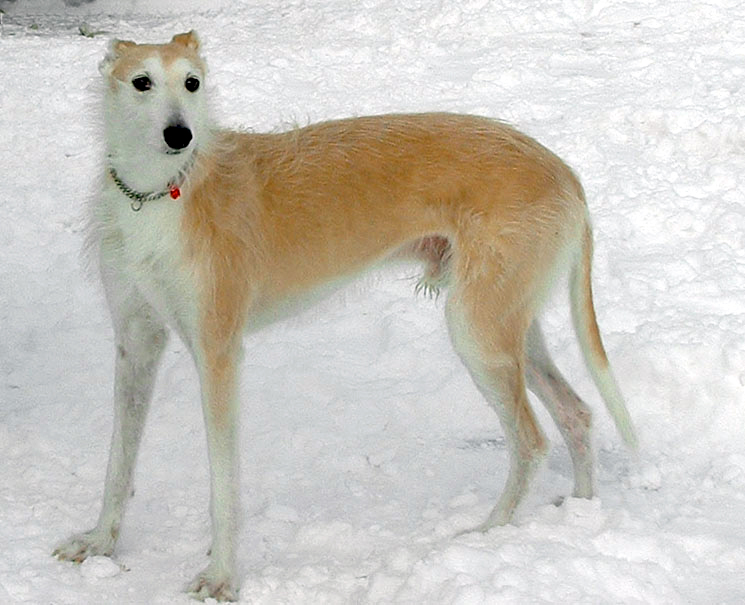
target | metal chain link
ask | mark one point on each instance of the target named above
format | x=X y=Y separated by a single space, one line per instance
x=138 y=198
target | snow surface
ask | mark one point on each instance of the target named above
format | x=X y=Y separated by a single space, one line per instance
x=365 y=448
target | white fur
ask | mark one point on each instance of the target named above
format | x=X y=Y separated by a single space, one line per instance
x=134 y=122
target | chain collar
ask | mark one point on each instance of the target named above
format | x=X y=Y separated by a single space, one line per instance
x=139 y=198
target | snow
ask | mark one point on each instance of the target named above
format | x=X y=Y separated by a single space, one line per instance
x=366 y=451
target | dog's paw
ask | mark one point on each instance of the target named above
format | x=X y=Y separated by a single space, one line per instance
x=212 y=585
x=81 y=546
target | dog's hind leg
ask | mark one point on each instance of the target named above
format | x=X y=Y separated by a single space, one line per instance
x=140 y=340
x=568 y=411
x=491 y=344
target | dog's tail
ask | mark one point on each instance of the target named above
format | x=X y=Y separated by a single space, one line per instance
x=588 y=333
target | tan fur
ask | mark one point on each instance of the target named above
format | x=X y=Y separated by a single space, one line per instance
x=128 y=55
x=265 y=221
x=302 y=208
x=596 y=342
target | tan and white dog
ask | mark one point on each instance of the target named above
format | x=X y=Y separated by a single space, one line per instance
x=214 y=232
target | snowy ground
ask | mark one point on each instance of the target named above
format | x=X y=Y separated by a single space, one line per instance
x=365 y=447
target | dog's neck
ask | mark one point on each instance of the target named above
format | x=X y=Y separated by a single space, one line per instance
x=165 y=180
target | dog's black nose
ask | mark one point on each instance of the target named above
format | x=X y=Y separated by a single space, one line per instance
x=177 y=137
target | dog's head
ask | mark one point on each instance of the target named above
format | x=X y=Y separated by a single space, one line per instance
x=156 y=106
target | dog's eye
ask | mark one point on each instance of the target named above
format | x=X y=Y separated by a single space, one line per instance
x=191 y=84
x=142 y=83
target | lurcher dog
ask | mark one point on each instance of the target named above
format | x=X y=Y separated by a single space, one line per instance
x=213 y=232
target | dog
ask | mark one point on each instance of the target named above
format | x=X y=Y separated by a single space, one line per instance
x=215 y=232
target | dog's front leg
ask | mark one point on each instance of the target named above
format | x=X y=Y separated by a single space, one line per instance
x=218 y=373
x=140 y=340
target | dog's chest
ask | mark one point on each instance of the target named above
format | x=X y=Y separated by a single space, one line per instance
x=151 y=256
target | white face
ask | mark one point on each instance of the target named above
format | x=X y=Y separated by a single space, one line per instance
x=156 y=108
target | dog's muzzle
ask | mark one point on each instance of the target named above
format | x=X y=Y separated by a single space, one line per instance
x=177 y=137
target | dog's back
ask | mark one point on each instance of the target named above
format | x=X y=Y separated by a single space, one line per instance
x=327 y=200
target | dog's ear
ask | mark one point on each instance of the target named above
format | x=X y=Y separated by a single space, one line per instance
x=189 y=40
x=116 y=49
